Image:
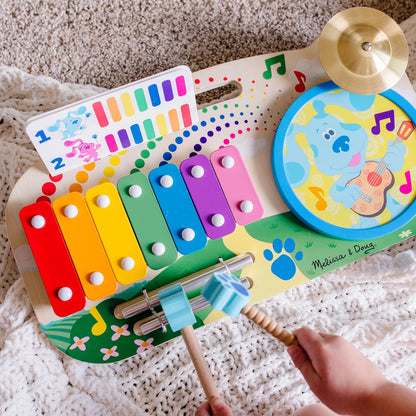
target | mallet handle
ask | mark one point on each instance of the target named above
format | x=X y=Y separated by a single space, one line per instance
x=270 y=325
x=201 y=366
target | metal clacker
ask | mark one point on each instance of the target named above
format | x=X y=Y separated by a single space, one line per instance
x=148 y=301
x=195 y=281
x=148 y=325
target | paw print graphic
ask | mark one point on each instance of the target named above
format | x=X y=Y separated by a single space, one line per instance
x=283 y=265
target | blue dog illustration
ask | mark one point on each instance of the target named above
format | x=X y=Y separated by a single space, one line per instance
x=339 y=149
x=71 y=124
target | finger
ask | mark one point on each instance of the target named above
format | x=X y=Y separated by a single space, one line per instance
x=311 y=342
x=219 y=408
x=308 y=334
x=204 y=410
x=304 y=365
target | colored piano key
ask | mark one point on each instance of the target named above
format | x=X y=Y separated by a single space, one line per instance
x=124 y=138
x=178 y=208
x=117 y=119
x=149 y=129
x=154 y=95
x=167 y=90
x=113 y=108
x=127 y=104
x=174 y=120
x=111 y=143
x=84 y=245
x=137 y=133
x=236 y=185
x=186 y=115
x=181 y=85
x=207 y=195
x=147 y=220
x=161 y=125
x=140 y=99
x=52 y=258
x=113 y=226
x=100 y=114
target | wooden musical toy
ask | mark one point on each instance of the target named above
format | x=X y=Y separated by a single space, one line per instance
x=285 y=177
x=226 y=293
x=180 y=316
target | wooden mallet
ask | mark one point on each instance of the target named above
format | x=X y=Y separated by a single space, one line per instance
x=178 y=312
x=226 y=293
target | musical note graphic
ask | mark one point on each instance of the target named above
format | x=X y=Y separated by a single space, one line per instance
x=321 y=204
x=275 y=60
x=100 y=326
x=301 y=77
x=383 y=116
x=407 y=187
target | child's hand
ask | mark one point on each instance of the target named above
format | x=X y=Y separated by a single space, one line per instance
x=339 y=375
x=217 y=408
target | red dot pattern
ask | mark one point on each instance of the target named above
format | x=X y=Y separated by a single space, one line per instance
x=48 y=188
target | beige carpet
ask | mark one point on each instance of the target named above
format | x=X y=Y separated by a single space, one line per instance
x=112 y=42
x=372 y=302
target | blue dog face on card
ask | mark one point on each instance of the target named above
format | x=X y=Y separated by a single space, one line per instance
x=338 y=147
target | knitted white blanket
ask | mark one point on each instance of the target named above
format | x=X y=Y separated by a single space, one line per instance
x=371 y=302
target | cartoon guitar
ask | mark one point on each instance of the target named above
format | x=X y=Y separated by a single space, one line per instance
x=375 y=179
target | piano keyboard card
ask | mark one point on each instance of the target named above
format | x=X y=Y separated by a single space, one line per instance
x=91 y=129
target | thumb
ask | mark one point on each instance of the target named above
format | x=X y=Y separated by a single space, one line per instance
x=219 y=408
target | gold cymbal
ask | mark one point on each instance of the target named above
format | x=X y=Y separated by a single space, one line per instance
x=363 y=50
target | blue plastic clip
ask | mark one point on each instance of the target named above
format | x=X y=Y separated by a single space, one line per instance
x=176 y=306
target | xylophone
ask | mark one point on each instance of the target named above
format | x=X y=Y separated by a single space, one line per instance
x=85 y=247
x=157 y=190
